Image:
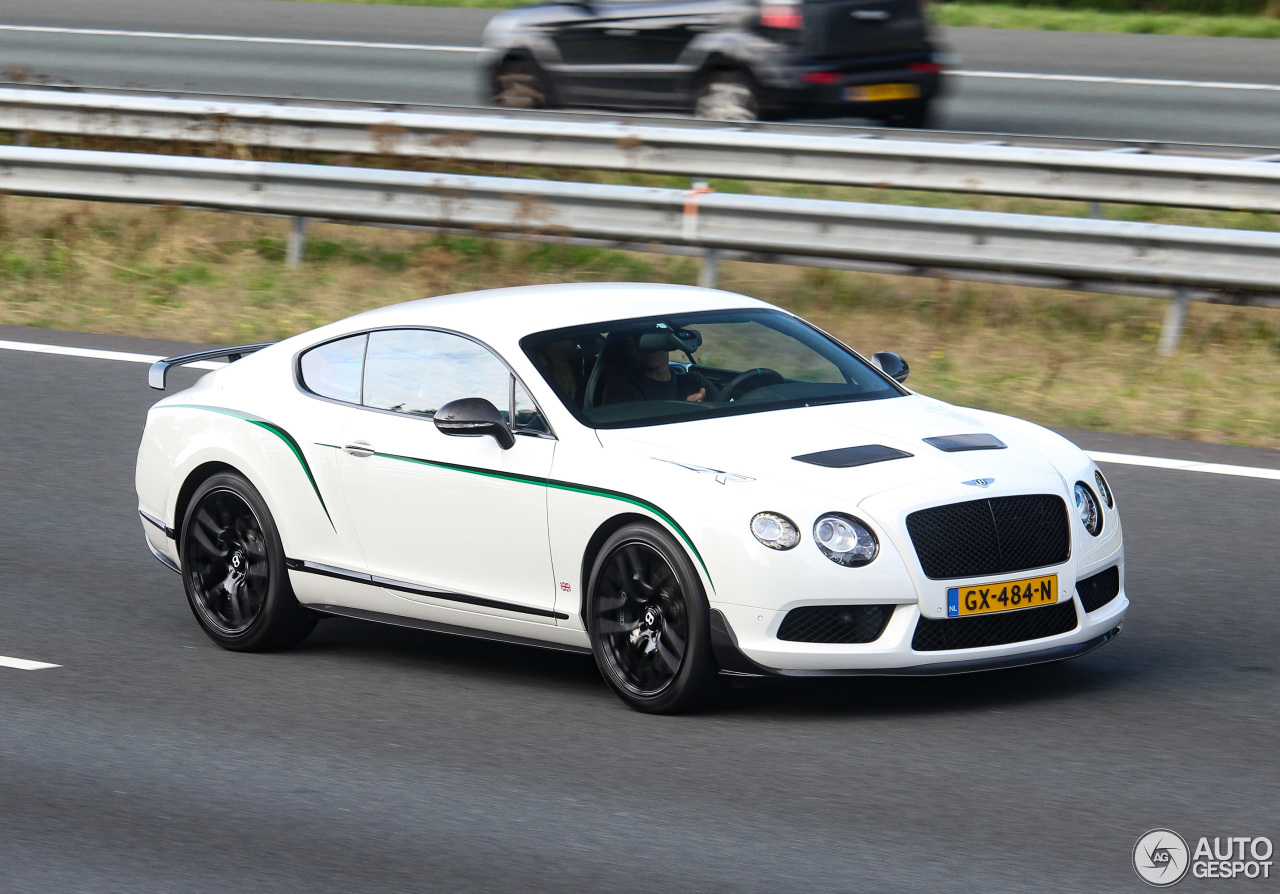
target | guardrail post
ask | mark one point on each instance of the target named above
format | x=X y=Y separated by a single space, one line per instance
x=1174 y=317
x=710 y=274
x=297 y=243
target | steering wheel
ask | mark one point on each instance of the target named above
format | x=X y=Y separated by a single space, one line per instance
x=737 y=383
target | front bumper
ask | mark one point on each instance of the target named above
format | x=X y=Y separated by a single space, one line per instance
x=892 y=654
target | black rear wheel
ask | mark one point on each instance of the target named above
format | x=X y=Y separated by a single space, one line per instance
x=648 y=621
x=234 y=572
x=728 y=96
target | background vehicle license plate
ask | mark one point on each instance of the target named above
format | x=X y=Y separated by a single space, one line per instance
x=881 y=92
x=979 y=599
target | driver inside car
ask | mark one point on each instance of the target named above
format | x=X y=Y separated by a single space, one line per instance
x=645 y=371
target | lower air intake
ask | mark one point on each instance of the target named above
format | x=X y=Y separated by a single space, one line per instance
x=994 y=630
x=835 y=623
x=1099 y=589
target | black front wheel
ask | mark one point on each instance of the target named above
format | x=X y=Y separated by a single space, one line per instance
x=234 y=572
x=647 y=617
x=520 y=84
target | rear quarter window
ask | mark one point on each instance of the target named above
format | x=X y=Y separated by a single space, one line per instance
x=335 y=369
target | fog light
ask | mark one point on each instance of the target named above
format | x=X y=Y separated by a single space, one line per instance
x=845 y=540
x=774 y=530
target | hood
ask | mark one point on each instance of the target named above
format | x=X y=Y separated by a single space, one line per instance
x=762 y=446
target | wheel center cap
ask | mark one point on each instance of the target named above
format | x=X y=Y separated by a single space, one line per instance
x=237 y=560
x=652 y=616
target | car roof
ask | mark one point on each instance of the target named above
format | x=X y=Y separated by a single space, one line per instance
x=508 y=315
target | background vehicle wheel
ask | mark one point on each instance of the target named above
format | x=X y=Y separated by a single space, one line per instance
x=728 y=96
x=648 y=620
x=916 y=117
x=519 y=84
x=234 y=572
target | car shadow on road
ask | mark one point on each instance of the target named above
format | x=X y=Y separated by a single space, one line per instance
x=423 y=652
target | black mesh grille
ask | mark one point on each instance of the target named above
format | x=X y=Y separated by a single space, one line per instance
x=835 y=623
x=1098 y=590
x=993 y=536
x=994 y=630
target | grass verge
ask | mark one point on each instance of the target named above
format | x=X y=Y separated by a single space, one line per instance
x=1014 y=16
x=1055 y=357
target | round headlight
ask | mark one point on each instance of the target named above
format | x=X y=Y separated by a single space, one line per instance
x=1104 y=489
x=775 y=531
x=1087 y=508
x=845 y=540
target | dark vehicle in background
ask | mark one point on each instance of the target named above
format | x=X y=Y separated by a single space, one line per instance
x=727 y=60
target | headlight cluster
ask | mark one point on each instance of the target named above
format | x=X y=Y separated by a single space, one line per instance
x=1104 y=489
x=1088 y=509
x=842 y=538
x=775 y=531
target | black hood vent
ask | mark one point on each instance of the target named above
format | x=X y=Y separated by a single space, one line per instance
x=960 y=443
x=847 y=457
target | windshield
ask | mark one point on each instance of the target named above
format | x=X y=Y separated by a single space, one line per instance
x=680 y=367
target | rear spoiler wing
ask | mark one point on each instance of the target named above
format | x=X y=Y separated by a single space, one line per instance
x=158 y=374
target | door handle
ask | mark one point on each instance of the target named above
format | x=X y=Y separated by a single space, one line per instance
x=621 y=32
x=359 y=448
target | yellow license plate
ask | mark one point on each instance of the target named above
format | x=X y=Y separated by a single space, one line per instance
x=979 y=599
x=881 y=92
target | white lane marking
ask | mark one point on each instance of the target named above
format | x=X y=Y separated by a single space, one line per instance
x=1103 y=79
x=1182 y=465
x=1153 y=462
x=233 y=38
x=94 y=354
x=23 y=665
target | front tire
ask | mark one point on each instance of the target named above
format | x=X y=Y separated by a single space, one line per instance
x=520 y=84
x=648 y=621
x=233 y=569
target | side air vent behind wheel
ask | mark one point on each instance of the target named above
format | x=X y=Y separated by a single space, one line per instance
x=835 y=623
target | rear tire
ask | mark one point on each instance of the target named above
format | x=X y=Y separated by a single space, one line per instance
x=520 y=84
x=649 y=622
x=233 y=569
x=728 y=96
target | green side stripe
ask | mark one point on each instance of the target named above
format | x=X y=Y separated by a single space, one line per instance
x=279 y=433
x=558 y=485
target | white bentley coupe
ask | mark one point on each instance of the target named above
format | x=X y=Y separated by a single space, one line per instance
x=685 y=483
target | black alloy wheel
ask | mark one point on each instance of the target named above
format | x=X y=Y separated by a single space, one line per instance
x=520 y=84
x=648 y=621
x=234 y=572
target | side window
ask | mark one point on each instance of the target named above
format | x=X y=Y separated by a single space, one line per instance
x=417 y=371
x=528 y=416
x=333 y=369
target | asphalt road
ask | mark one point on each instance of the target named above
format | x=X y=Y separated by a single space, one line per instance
x=984 y=100
x=375 y=759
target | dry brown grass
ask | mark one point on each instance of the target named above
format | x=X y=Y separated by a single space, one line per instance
x=1055 y=357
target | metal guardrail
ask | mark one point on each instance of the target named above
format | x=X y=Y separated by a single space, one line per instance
x=1119 y=176
x=1100 y=255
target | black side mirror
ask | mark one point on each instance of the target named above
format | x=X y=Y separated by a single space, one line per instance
x=473 y=417
x=891 y=365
